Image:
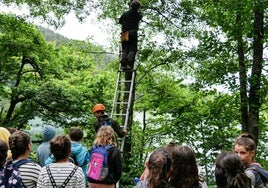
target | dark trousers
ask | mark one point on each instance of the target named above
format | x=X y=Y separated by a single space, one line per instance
x=129 y=48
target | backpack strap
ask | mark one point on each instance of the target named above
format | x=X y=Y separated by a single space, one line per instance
x=21 y=162
x=51 y=177
x=69 y=177
x=107 y=147
x=66 y=180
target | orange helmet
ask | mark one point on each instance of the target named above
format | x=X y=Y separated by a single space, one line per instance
x=98 y=107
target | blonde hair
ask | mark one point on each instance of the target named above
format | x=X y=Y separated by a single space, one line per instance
x=105 y=136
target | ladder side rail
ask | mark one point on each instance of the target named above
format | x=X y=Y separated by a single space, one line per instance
x=116 y=93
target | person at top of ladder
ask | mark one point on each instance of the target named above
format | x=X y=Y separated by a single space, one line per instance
x=99 y=111
x=129 y=34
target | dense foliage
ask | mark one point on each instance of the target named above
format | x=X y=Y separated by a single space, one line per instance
x=201 y=75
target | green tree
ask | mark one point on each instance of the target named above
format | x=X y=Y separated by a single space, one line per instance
x=55 y=82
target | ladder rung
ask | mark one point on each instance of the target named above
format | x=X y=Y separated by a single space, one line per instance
x=123 y=91
x=119 y=114
x=121 y=102
x=124 y=81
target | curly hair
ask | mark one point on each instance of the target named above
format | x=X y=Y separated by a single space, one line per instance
x=3 y=153
x=159 y=166
x=185 y=170
x=60 y=147
x=229 y=171
x=105 y=136
x=19 y=143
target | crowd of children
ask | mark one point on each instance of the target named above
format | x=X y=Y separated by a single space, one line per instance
x=170 y=166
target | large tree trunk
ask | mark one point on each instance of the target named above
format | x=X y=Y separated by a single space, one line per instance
x=242 y=73
x=255 y=81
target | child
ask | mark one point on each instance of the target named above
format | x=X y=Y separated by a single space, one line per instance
x=159 y=170
x=229 y=171
x=185 y=170
x=3 y=153
x=21 y=146
x=79 y=154
x=43 y=151
x=245 y=148
x=61 y=173
x=105 y=136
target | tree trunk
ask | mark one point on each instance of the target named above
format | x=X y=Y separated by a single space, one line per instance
x=242 y=74
x=255 y=81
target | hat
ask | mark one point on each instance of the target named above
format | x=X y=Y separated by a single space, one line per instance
x=48 y=133
x=4 y=134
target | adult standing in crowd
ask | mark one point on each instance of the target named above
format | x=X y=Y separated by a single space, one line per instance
x=99 y=111
x=129 y=21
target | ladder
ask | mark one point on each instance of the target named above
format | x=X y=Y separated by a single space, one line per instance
x=123 y=96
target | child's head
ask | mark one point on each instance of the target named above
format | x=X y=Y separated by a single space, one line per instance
x=48 y=133
x=76 y=134
x=245 y=148
x=19 y=144
x=185 y=170
x=105 y=136
x=60 y=147
x=3 y=153
x=159 y=165
x=229 y=171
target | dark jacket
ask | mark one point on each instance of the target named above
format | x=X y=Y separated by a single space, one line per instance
x=130 y=20
x=114 y=124
x=114 y=167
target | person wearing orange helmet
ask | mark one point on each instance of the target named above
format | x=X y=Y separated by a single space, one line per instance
x=99 y=111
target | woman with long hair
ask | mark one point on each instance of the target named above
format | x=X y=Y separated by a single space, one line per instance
x=229 y=171
x=185 y=171
x=159 y=170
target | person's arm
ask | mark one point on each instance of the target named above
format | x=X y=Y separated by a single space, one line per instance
x=119 y=131
x=117 y=164
x=251 y=176
x=50 y=159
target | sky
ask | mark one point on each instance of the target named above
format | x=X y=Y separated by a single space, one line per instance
x=81 y=31
x=72 y=29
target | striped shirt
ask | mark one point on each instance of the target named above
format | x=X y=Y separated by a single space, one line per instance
x=29 y=174
x=60 y=171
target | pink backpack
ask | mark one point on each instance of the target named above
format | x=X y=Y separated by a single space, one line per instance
x=98 y=163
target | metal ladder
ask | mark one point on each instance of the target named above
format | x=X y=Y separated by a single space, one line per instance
x=123 y=96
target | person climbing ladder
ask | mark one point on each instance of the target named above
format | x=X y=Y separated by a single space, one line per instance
x=129 y=34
